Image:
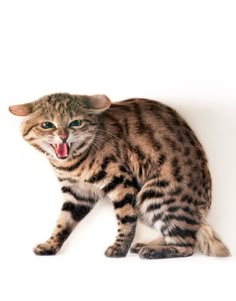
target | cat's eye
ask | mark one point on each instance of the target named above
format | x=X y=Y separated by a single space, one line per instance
x=47 y=125
x=75 y=123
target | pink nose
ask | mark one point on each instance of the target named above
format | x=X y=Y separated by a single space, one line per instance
x=63 y=136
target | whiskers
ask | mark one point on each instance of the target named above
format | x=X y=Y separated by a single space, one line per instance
x=109 y=133
x=110 y=139
x=86 y=143
x=95 y=146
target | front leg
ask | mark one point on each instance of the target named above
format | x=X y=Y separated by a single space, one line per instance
x=75 y=207
x=124 y=199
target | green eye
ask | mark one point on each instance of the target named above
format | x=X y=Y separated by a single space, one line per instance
x=75 y=123
x=47 y=125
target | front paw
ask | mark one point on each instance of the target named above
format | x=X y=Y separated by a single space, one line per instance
x=46 y=249
x=116 y=251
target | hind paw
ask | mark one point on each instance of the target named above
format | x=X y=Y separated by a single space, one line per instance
x=135 y=248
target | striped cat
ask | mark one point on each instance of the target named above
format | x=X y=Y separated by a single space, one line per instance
x=140 y=154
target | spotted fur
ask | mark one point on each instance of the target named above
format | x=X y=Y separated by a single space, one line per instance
x=139 y=153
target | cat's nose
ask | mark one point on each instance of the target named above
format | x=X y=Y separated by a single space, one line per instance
x=63 y=137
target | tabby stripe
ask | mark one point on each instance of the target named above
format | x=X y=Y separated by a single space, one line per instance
x=169 y=201
x=78 y=212
x=138 y=151
x=128 y=199
x=174 y=162
x=102 y=173
x=176 y=231
x=176 y=191
x=91 y=163
x=140 y=172
x=123 y=169
x=90 y=122
x=181 y=218
x=117 y=148
x=67 y=179
x=174 y=208
x=171 y=143
x=176 y=170
x=74 y=166
x=157 y=217
x=113 y=184
x=138 y=113
x=149 y=133
x=199 y=203
x=106 y=161
x=186 y=151
x=63 y=234
x=132 y=183
x=30 y=139
x=97 y=177
x=187 y=210
x=120 y=239
x=126 y=126
x=187 y=198
x=162 y=159
x=154 y=207
x=77 y=196
x=28 y=131
x=149 y=194
x=157 y=206
x=128 y=219
x=39 y=148
x=81 y=145
x=116 y=122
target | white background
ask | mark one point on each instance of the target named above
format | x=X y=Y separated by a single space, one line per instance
x=180 y=52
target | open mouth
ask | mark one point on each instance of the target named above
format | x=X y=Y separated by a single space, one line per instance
x=62 y=150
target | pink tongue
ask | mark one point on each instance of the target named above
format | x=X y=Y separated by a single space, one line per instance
x=62 y=150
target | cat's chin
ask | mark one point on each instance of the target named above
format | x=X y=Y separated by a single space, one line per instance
x=55 y=158
x=62 y=158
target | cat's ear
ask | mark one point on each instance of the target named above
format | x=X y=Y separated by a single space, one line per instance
x=21 y=110
x=97 y=103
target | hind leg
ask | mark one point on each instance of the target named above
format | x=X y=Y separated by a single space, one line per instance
x=166 y=251
x=158 y=249
x=177 y=242
x=136 y=248
x=167 y=209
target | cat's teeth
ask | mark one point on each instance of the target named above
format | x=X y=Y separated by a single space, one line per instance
x=55 y=145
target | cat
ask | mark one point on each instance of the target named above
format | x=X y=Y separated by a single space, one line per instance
x=139 y=153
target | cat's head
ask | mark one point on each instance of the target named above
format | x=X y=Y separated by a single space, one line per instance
x=61 y=126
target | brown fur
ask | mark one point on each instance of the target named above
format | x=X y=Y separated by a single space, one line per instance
x=139 y=153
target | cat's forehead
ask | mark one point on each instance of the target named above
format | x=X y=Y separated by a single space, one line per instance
x=63 y=105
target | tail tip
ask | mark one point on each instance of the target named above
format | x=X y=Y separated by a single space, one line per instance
x=209 y=242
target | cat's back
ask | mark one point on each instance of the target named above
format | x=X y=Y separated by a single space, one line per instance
x=151 y=119
x=136 y=108
x=152 y=130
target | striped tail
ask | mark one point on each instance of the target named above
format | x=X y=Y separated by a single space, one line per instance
x=209 y=243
